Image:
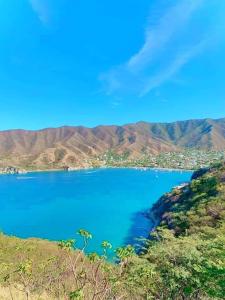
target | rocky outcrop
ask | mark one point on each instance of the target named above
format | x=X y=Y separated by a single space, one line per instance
x=12 y=170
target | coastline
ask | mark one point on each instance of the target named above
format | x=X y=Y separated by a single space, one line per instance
x=101 y=167
x=149 y=214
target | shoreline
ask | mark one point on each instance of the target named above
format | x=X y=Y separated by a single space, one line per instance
x=101 y=167
x=149 y=214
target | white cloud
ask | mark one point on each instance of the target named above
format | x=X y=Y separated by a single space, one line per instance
x=169 y=46
x=165 y=74
x=40 y=7
x=158 y=36
x=48 y=11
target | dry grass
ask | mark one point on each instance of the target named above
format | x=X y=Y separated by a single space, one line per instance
x=39 y=266
x=15 y=294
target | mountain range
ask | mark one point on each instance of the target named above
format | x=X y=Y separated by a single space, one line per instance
x=74 y=145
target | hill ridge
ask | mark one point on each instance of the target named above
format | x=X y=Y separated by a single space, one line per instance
x=72 y=145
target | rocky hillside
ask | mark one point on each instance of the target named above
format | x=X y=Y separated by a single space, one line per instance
x=192 y=206
x=74 y=145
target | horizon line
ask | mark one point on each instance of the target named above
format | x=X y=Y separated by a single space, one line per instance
x=109 y=125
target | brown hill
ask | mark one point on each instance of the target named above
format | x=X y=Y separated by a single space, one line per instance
x=73 y=145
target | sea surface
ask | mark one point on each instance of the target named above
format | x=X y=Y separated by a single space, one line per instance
x=110 y=203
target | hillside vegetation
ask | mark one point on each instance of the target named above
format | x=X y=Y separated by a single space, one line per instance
x=75 y=146
x=184 y=259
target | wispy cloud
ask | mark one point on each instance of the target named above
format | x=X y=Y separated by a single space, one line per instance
x=169 y=46
x=158 y=36
x=42 y=10
x=173 y=68
x=48 y=11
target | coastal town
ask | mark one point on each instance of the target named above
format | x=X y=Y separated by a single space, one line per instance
x=188 y=159
x=184 y=160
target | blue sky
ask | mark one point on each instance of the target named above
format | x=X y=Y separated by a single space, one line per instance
x=79 y=62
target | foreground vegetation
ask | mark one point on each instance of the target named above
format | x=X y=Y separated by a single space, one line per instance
x=184 y=259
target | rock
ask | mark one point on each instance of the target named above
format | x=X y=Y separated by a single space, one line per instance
x=12 y=170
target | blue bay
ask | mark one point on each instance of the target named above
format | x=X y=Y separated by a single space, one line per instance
x=107 y=202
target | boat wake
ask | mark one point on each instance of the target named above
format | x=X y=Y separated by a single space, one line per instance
x=24 y=178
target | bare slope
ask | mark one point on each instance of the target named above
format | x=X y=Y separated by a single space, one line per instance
x=72 y=145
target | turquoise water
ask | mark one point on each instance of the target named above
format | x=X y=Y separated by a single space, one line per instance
x=107 y=202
